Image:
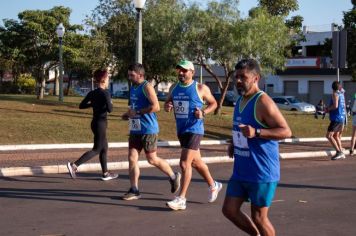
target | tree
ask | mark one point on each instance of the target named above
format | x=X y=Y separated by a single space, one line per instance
x=116 y=18
x=162 y=22
x=209 y=36
x=32 y=41
x=217 y=34
x=86 y=53
x=279 y=7
x=350 y=25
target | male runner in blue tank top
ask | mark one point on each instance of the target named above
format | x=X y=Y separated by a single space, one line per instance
x=257 y=124
x=187 y=98
x=337 y=116
x=144 y=131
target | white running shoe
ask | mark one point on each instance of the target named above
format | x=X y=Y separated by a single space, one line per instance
x=178 y=203
x=71 y=170
x=109 y=176
x=214 y=191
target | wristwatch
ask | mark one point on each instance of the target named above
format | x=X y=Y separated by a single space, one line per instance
x=257 y=133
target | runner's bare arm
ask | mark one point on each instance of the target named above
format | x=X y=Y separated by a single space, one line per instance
x=205 y=94
x=268 y=113
x=168 y=104
x=152 y=98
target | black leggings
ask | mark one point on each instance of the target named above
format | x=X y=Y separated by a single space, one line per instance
x=98 y=127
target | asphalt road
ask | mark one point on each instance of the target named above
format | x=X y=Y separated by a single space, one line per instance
x=315 y=197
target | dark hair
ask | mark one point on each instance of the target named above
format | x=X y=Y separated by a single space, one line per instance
x=100 y=75
x=249 y=64
x=138 y=68
x=335 y=85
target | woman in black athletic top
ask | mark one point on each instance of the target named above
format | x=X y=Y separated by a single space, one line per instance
x=99 y=99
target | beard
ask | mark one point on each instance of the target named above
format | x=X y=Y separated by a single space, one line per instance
x=182 y=79
x=241 y=91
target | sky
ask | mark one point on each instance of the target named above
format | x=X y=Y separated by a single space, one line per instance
x=316 y=13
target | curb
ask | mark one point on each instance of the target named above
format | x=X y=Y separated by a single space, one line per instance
x=58 y=169
x=125 y=144
x=90 y=145
x=123 y=165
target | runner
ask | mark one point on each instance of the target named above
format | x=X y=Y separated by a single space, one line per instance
x=257 y=124
x=337 y=116
x=99 y=99
x=143 y=131
x=187 y=98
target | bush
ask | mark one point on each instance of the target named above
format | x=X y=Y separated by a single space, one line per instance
x=9 y=87
x=26 y=83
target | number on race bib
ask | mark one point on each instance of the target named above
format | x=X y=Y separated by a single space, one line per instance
x=135 y=124
x=239 y=139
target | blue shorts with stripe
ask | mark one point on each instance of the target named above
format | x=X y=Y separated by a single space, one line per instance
x=260 y=194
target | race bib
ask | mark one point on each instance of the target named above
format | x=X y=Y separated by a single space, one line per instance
x=181 y=109
x=239 y=139
x=134 y=124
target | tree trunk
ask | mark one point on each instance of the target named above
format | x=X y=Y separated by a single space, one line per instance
x=69 y=83
x=218 y=108
x=1 y=75
x=42 y=88
x=42 y=77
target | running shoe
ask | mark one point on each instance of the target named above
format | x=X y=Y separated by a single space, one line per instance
x=109 y=176
x=178 y=203
x=71 y=170
x=214 y=191
x=131 y=195
x=338 y=156
x=175 y=184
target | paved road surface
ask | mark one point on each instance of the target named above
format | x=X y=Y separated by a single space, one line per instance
x=315 y=197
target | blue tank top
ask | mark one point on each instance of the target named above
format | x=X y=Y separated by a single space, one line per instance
x=255 y=159
x=185 y=100
x=339 y=114
x=144 y=123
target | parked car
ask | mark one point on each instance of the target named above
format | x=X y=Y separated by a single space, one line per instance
x=162 y=96
x=292 y=103
x=230 y=98
x=121 y=94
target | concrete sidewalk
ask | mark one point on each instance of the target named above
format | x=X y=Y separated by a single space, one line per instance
x=16 y=160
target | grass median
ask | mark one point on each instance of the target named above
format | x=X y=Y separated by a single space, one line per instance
x=27 y=120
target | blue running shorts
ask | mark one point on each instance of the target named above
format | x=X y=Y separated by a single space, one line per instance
x=260 y=194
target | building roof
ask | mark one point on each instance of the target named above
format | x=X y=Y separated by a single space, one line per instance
x=312 y=71
x=217 y=69
x=316 y=38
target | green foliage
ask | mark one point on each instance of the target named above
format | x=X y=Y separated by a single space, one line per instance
x=350 y=26
x=26 y=83
x=116 y=18
x=162 y=26
x=295 y=23
x=31 y=44
x=8 y=87
x=265 y=38
x=279 y=7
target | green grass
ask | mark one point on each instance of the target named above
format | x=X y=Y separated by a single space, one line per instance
x=26 y=120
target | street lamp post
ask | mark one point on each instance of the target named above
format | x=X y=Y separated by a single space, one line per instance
x=60 y=32
x=139 y=4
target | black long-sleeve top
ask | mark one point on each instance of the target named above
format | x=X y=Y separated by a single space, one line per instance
x=100 y=100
